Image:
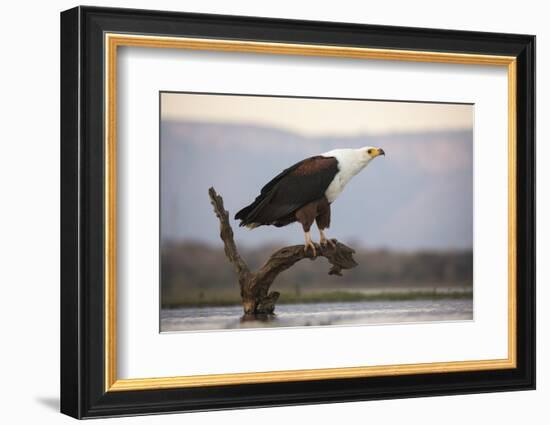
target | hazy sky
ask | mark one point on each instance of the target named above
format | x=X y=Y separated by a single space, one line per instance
x=316 y=117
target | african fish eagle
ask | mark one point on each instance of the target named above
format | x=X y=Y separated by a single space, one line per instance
x=305 y=191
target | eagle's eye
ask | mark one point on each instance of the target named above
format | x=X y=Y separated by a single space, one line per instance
x=370 y=151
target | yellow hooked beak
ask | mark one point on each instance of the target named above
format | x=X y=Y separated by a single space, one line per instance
x=378 y=152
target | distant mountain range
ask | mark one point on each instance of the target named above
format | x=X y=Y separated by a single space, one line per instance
x=419 y=196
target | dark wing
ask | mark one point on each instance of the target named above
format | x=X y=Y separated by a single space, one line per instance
x=293 y=188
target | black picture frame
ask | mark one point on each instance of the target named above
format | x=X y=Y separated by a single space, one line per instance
x=83 y=392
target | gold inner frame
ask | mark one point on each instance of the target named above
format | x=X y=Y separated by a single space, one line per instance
x=113 y=41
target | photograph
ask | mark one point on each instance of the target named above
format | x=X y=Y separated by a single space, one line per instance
x=281 y=211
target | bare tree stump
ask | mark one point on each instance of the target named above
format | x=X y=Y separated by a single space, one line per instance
x=256 y=299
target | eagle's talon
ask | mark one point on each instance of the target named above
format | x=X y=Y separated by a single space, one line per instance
x=312 y=246
x=332 y=242
x=325 y=242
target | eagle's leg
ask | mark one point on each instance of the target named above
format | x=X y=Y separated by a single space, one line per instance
x=324 y=240
x=323 y=221
x=309 y=244
x=306 y=216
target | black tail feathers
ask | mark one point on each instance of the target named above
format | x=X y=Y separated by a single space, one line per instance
x=249 y=215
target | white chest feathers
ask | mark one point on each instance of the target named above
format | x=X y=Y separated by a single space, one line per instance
x=349 y=164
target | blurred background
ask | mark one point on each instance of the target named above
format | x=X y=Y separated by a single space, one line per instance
x=408 y=215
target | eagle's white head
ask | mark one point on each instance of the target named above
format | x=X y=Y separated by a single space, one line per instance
x=350 y=162
x=362 y=156
x=355 y=159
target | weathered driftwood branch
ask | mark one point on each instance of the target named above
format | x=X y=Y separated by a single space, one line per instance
x=254 y=285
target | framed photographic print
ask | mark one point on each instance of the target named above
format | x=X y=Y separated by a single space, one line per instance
x=261 y=212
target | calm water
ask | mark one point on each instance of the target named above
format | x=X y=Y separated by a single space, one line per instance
x=317 y=314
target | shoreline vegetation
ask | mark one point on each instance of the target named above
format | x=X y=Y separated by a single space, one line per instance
x=195 y=274
x=330 y=297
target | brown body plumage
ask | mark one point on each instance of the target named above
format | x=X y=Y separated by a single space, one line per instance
x=295 y=195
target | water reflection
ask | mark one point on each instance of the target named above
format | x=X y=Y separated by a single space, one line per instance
x=318 y=314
